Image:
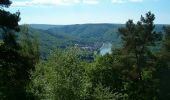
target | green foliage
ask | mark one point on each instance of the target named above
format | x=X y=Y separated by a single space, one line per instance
x=137 y=40
x=15 y=64
x=14 y=73
x=63 y=36
x=9 y=21
x=29 y=43
x=101 y=93
x=5 y=3
x=163 y=66
x=166 y=43
x=61 y=77
x=8 y=25
x=87 y=33
x=106 y=72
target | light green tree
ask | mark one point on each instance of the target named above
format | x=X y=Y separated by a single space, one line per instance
x=61 y=77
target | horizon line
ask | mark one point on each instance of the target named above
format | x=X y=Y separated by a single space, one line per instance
x=81 y=23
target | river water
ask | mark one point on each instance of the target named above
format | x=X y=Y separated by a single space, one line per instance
x=106 y=48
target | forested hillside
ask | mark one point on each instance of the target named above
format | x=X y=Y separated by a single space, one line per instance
x=84 y=35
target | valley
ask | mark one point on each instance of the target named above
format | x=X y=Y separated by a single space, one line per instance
x=90 y=37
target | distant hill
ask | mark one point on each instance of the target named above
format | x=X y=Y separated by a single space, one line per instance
x=88 y=33
x=84 y=33
x=42 y=26
x=93 y=35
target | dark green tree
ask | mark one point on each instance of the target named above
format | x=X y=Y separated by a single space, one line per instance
x=166 y=44
x=138 y=39
x=163 y=66
x=8 y=24
x=5 y=3
x=107 y=75
x=14 y=65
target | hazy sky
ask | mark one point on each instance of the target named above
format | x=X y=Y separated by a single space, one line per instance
x=89 y=11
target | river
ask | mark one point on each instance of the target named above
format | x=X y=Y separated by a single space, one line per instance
x=106 y=48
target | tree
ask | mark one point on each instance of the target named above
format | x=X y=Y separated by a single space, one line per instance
x=107 y=77
x=5 y=3
x=138 y=39
x=9 y=24
x=166 y=43
x=104 y=93
x=14 y=65
x=106 y=71
x=163 y=66
x=29 y=43
x=61 y=77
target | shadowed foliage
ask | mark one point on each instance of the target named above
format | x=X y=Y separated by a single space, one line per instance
x=14 y=63
x=5 y=3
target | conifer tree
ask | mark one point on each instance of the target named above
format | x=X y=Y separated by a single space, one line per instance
x=14 y=66
x=138 y=39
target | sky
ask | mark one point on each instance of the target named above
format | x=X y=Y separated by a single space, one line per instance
x=63 y=12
